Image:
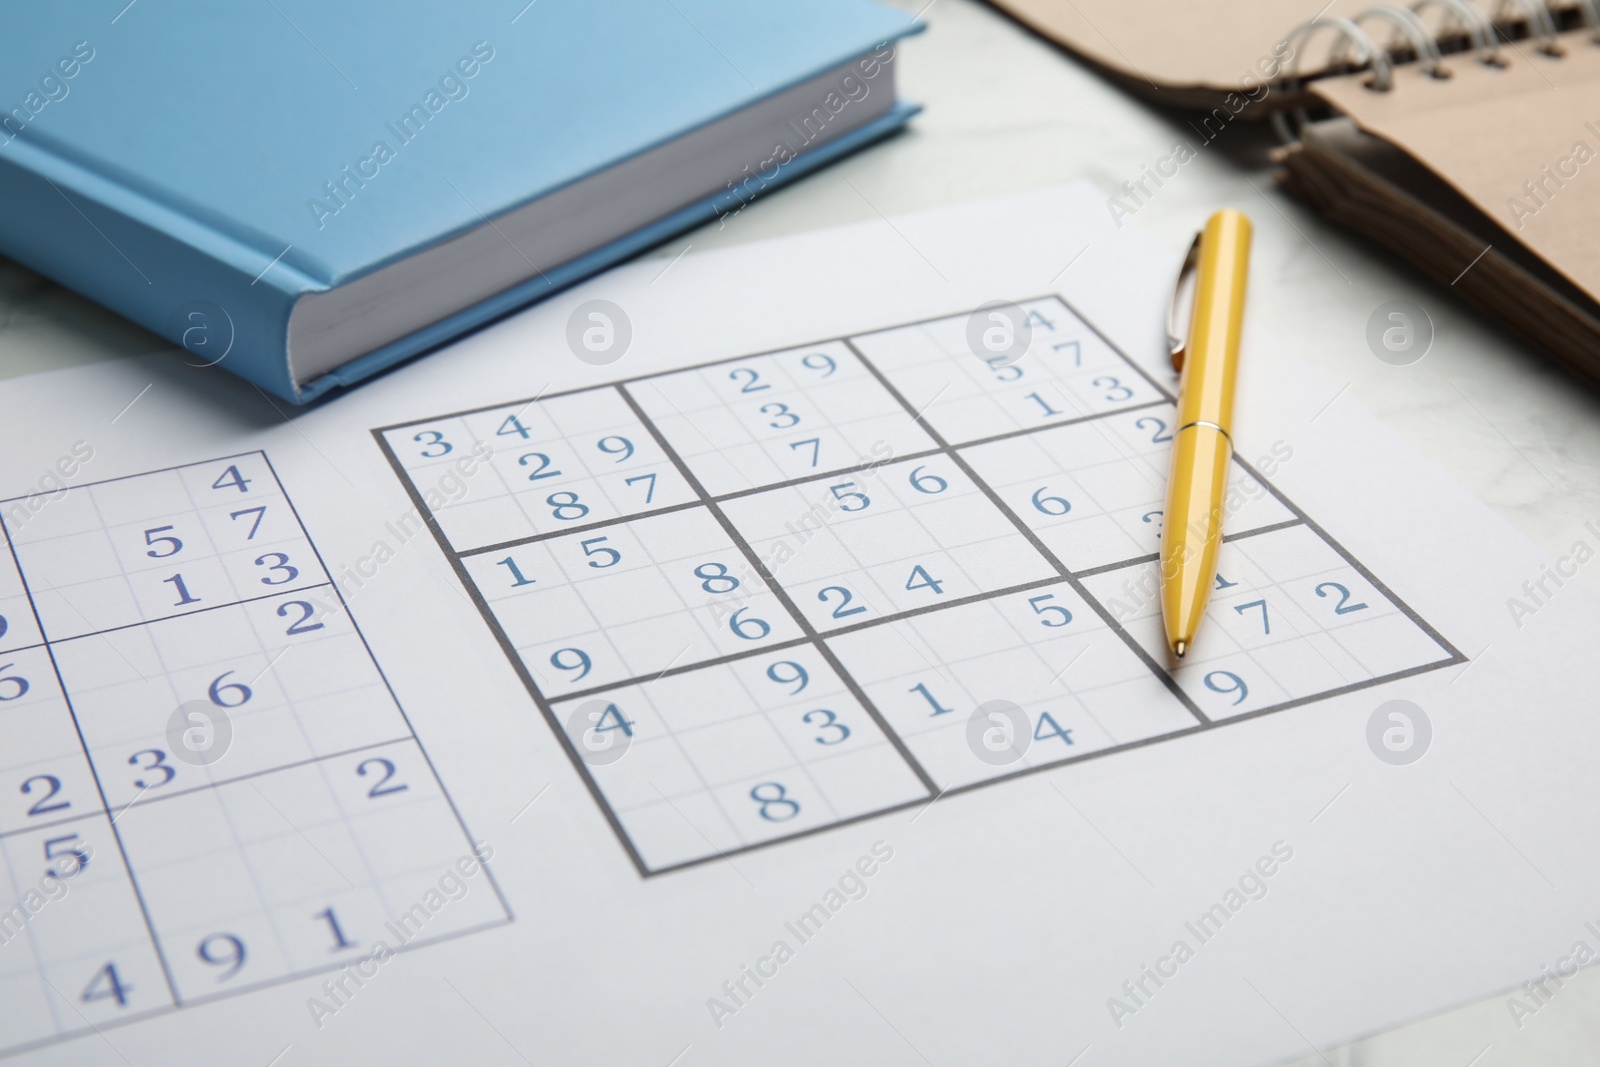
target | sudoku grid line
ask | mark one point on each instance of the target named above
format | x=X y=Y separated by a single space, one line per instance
x=243 y=853
x=1033 y=538
x=783 y=597
x=1090 y=572
x=700 y=430
x=105 y=804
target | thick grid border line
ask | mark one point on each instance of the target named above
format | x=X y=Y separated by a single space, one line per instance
x=818 y=640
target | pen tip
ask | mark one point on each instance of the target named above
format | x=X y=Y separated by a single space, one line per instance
x=1179 y=648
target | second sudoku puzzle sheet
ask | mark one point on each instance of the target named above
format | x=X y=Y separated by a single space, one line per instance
x=206 y=784
x=772 y=594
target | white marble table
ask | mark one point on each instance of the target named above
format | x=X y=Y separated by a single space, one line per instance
x=1005 y=112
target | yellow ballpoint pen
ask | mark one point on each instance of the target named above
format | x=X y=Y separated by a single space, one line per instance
x=1202 y=445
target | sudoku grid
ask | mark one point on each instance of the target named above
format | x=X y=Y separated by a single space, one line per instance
x=206 y=783
x=768 y=595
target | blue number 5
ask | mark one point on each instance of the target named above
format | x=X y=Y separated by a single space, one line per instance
x=1062 y=615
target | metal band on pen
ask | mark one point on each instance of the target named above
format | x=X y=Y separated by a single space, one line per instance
x=1214 y=426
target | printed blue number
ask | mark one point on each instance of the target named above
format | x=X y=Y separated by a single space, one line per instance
x=1038 y=317
x=381 y=788
x=814 y=442
x=1050 y=505
x=776 y=806
x=1004 y=372
x=1223 y=583
x=232 y=479
x=512 y=425
x=516 y=572
x=927 y=483
x=613 y=719
x=843 y=497
x=1055 y=730
x=845 y=596
x=820 y=362
x=1061 y=615
x=1266 y=625
x=611 y=556
x=339 y=940
x=542 y=470
x=158 y=762
x=1153 y=518
x=623 y=446
x=714 y=578
x=20 y=683
x=176 y=582
x=927 y=582
x=799 y=678
x=423 y=439
x=1116 y=392
x=219 y=692
x=42 y=806
x=1343 y=607
x=177 y=545
x=77 y=856
x=1043 y=404
x=747 y=385
x=1161 y=436
x=650 y=485
x=1077 y=351
x=829 y=722
x=749 y=629
x=299 y=625
x=780 y=413
x=290 y=572
x=582 y=666
x=938 y=708
x=1238 y=685
x=568 y=509
x=260 y=512
x=232 y=957
x=106 y=985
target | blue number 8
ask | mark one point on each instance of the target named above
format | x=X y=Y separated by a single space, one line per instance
x=780 y=804
x=571 y=507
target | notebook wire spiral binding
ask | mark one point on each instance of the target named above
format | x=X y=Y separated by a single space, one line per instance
x=1463 y=23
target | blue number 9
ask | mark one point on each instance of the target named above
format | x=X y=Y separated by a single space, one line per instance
x=623 y=445
x=799 y=676
x=581 y=666
x=820 y=361
x=1238 y=685
x=231 y=956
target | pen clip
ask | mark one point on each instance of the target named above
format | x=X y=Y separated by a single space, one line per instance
x=1175 y=342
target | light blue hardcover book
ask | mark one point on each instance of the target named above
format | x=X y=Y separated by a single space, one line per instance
x=305 y=193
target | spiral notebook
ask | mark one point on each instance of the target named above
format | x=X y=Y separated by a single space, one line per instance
x=1462 y=145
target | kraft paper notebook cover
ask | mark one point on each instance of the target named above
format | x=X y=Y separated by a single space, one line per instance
x=1192 y=55
x=309 y=193
x=1461 y=144
x=1486 y=181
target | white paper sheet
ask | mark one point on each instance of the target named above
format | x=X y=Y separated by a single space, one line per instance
x=796 y=671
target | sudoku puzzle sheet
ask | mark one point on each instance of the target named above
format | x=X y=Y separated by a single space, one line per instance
x=778 y=593
x=206 y=784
